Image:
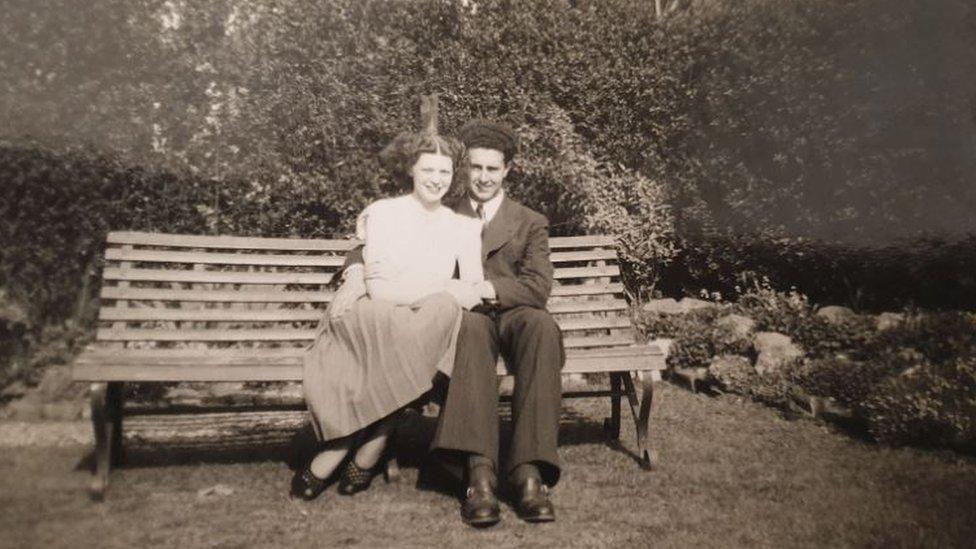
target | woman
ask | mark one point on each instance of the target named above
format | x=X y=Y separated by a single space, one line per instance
x=384 y=352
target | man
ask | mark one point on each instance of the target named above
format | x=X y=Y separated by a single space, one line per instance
x=512 y=322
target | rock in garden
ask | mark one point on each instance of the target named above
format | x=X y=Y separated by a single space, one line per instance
x=666 y=306
x=67 y=410
x=689 y=304
x=835 y=314
x=14 y=390
x=11 y=314
x=669 y=306
x=888 y=320
x=28 y=408
x=57 y=385
x=740 y=326
x=775 y=351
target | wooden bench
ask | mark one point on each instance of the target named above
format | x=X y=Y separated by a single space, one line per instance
x=201 y=308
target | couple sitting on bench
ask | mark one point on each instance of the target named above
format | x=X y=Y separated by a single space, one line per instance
x=375 y=355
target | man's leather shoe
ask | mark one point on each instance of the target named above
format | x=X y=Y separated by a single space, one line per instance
x=480 y=506
x=533 y=503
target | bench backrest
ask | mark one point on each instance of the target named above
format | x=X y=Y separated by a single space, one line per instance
x=180 y=291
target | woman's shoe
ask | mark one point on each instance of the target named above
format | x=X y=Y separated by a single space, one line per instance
x=355 y=479
x=305 y=485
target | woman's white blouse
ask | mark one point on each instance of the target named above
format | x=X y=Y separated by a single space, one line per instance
x=411 y=252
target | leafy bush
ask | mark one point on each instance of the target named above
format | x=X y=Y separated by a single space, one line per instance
x=939 y=337
x=773 y=310
x=851 y=381
x=930 y=405
x=822 y=338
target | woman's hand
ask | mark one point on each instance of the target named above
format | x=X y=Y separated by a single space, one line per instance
x=467 y=294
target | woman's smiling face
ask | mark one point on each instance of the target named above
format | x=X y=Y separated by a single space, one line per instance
x=432 y=174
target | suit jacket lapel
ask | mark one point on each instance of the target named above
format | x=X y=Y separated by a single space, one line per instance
x=500 y=229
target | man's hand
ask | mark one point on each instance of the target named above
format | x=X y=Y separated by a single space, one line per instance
x=467 y=294
x=353 y=287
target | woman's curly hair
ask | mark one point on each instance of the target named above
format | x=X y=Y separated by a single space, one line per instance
x=399 y=156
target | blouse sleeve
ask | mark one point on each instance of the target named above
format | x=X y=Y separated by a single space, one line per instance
x=470 y=267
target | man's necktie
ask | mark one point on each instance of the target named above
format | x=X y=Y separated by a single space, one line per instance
x=480 y=210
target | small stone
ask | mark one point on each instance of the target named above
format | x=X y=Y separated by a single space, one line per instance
x=886 y=321
x=26 y=409
x=57 y=385
x=835 y=314
x=62 y=411
x=739 y=325
x=217 y=490
x=11 y=314
x=775 y=351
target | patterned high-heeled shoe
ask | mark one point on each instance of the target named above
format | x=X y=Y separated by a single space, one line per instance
x=305 y=485
x=355 y=479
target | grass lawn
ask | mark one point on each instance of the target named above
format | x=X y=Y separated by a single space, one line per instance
x=732 y=474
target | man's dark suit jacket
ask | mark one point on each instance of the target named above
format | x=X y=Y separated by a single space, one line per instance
x=515 y=254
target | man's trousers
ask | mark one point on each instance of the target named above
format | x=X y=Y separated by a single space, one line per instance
x=532 y=345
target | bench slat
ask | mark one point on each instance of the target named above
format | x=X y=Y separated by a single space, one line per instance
x=584 y=255
x=586 y=272
x=317 y=260
x=234 y=277
x=242 y=296
x=568 y=307
x=113 y=334
x=246 y=334
x=230 y=242
x=215 y=258
x=586 y=289
x=594 y=323
x=286 y=364
x=255 y=243
x=281 y=296
x=214 y=277
x=590 y=241
x=146 y=314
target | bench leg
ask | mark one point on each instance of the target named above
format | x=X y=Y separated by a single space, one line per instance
x=107 y=422
x=642 y=415
x=611 y=425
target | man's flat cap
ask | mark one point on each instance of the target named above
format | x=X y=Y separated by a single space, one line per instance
x=489 y=135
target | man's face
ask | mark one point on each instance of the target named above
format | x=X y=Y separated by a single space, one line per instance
x=487 y=173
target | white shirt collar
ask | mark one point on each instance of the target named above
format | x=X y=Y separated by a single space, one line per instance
x=491 y=207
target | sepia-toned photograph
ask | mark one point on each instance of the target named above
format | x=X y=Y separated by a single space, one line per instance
x=487 y=273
